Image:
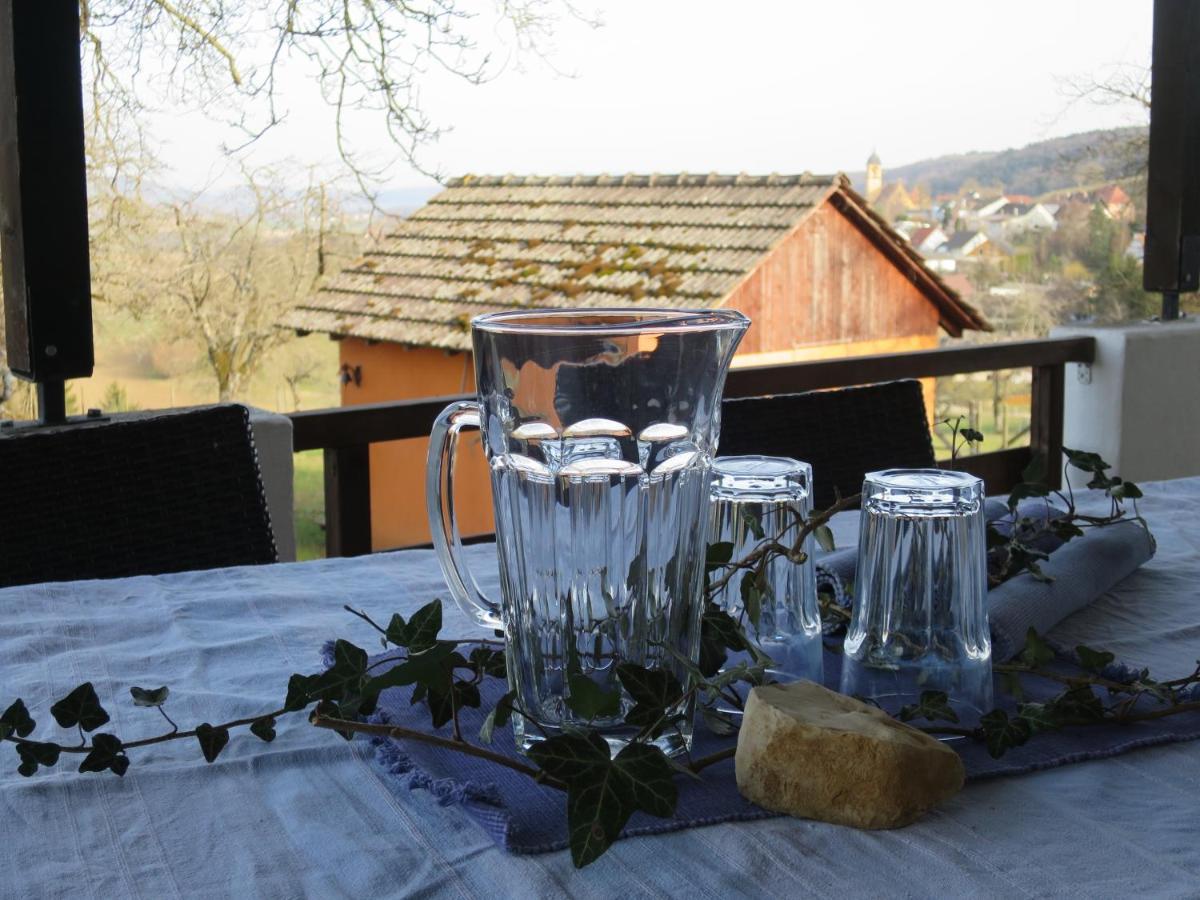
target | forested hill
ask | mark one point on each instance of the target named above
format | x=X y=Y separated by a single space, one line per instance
x=1077 y=159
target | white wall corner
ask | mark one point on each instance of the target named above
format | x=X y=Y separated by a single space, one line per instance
x=1140 y=407
x=273 y=440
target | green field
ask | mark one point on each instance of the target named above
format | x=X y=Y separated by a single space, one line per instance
x=309 y=508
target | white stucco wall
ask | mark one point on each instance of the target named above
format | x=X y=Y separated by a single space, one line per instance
x=1139 y=406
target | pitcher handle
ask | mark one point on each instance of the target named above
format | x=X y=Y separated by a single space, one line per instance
x=443 y=524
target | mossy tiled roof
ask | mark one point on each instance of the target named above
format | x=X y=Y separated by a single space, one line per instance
x=490 y=243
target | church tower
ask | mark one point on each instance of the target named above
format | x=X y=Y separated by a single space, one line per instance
x=874 y=177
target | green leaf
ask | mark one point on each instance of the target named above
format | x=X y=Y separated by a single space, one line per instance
x=299 y=692
x=597 y=810
x=16 y=720
x=431 y=667
x=1093 y=660
x=149 y=697
x=752 y=521
x=397 y=630
x=1036 y=652
x=570 y=756
x=422 y=630
x=264 y=728
x=588 y=700
x=651 y=785
x=1001 y=733
x=107 y=753
x=499 y=717
x=971 y=436
x=824 y=536
x=1077 y=706
x=932 y=705
x=652 y=690
x=1025 y=489
x=1127 y=490
x=489 y=662
x=80 y=707
x=212 y=740
x=1038 y=716
x=718 y=554
x=330 y=709
x=35 y=753
x=1085 y=461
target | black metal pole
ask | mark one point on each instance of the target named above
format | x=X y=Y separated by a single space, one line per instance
x=52 y=402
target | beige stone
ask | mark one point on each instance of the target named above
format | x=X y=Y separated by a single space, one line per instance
x=810 y=752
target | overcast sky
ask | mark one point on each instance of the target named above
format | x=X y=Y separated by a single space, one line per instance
x=756 y=86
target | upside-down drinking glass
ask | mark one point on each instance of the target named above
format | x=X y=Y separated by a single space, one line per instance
x=920 y=616
x=764 y=497
x=599 y=427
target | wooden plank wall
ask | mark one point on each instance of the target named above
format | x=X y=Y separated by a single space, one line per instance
x=826 y=283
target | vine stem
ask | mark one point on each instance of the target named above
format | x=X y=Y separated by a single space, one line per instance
x=158 y=739
x=460 y=746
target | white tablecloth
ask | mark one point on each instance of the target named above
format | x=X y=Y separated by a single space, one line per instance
x=310 y=815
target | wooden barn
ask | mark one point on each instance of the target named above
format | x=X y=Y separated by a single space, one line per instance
x=818 y=272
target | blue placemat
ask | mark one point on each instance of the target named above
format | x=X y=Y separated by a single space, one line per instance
x=524 y=817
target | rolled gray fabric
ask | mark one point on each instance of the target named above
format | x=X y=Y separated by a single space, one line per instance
x=1082 y=570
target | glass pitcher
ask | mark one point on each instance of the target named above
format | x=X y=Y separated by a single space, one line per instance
x=599 y=427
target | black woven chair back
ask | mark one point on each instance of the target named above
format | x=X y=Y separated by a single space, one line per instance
x=843 y=434
x=135 y=496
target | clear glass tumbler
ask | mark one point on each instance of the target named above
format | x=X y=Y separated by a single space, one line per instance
x=753 y=498
x=920 y=610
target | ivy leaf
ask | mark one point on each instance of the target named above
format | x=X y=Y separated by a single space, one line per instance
x=932 y=705
x=597 y=810
x=397 y=630
x=1085 y=461
x=489 y=662
x=422 y=630
x=148 y=697
x=824 y=536
x=264 y=728
x=1001 y=733
x=971 y=436
x=34 y=754
x=1093 y=660
x=588 y=700
x=499 y=717
x=80 y=707
x=331 y=710
x=299 y=692
x=16 y=720
x=653 y=691
x=651 y=787
x=1038 y=716
x=718 y=554
x=1065 y=529
x=752 y=521
x=1126 y=490
x=1036 y=652
x=212 y=740
x=431 y=667
x=1078 y=706
x=107 y=753
x=1026 y=489
x=570 y=756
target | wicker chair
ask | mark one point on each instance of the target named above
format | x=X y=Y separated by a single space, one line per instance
x=843 y=434
x=139 y=495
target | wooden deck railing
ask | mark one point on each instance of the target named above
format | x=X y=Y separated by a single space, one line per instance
x=345 y=434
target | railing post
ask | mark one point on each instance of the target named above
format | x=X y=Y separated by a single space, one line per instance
x=348 y=500
x=1046 y=419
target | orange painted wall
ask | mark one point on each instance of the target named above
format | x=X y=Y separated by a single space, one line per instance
x=823 y=291
x=393 y=372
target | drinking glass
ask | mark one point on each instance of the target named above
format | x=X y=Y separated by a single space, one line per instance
x=599 y=426
x=919 y=621
x=753 y=498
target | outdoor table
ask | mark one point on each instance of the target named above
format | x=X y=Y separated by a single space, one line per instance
x=313 y=815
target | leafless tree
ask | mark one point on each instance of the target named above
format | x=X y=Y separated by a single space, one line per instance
x=364 y=56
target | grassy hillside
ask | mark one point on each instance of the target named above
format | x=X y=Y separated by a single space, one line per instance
x=1078 y=159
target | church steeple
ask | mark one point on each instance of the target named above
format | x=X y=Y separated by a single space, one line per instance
x=874 y=177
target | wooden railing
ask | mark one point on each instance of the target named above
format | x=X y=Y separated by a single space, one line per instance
x=345 y=434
